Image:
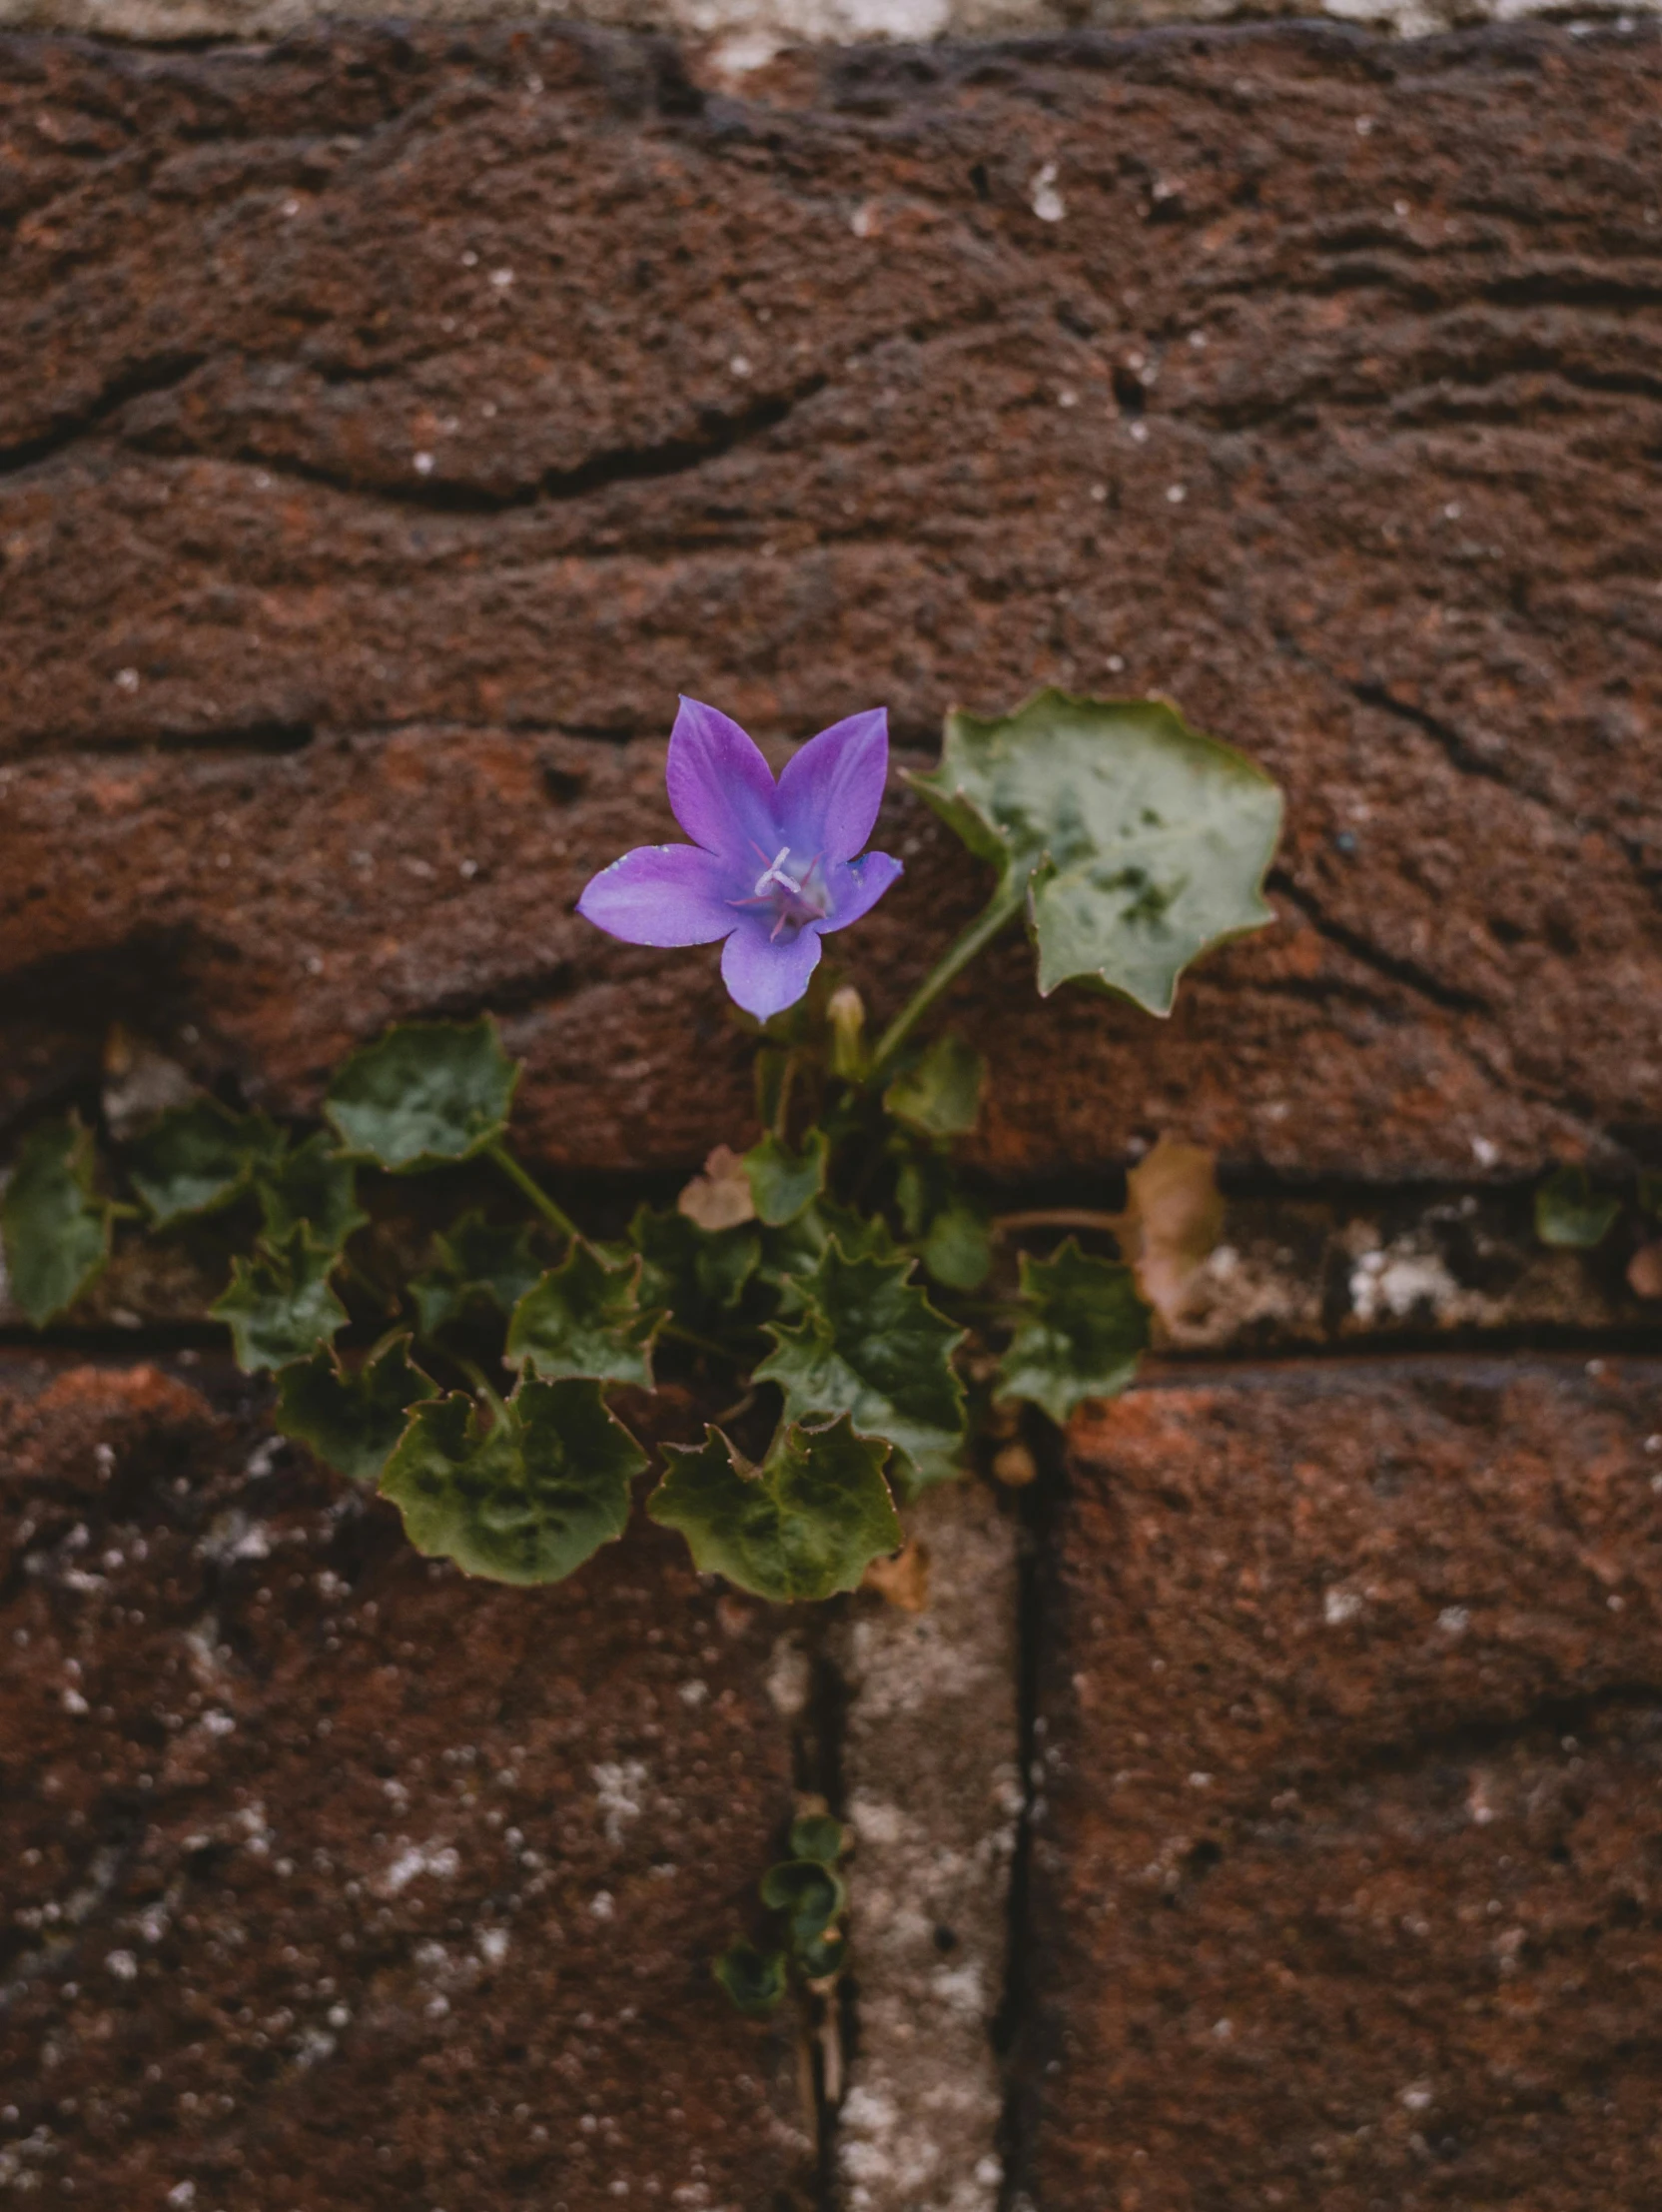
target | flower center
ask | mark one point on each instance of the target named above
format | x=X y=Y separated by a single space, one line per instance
x=793 y=891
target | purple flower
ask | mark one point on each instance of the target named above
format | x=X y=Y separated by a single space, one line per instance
x=772 y=867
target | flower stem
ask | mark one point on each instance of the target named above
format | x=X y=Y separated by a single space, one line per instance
x=1004 y=905
x=481 y=1383
x=673 y=1330
x=1060 y=1217
x=532 y=1188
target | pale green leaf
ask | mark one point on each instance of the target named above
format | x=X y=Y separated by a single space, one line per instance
x=940 y=1096
x=818 y=1835
x=784 y=1183
x=56 y=1227
x=280 y=1307
x=1142 y=841
x=523 y=1498
x=351 y=1416
x=801 y=1526
x=583 y=1318
x=957 y=1251
x=1573 y=1213
x=423 y=1094
x=870 y=1345
x=1083 y=1329
x=313 y=1185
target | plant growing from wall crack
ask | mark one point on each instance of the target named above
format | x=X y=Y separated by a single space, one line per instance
x=839 y=1287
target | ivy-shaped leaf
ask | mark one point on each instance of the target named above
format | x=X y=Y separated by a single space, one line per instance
x=809 y=1894
x=351 y=1416
x=784 y=1183
x=957 y=1251
x=584 y=1319
x=423 y=1094
x=756 y=1980
x=1571 y=1212
x=818 y=1835
x=1140 y=843
x=313 y=1186
x=521 y=1497
x=197 y=1158
x=56 y=1227
x=870 y=1345
x=940 y=1096
x=480 y=1268
x=698 y=1275
x=801 y=1526
x=1083 y=1329
x=280 y=1307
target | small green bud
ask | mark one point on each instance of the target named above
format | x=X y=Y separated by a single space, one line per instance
x=847 y=1013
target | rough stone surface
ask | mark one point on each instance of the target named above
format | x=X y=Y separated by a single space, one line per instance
x=332 y=1879
x=933 y=1790
x=1347 y=1866
x=393 y=421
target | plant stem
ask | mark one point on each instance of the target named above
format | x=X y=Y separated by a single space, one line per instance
x=531 y=1189
x=698 y=1343
x=1004 y=905
x=481 y=1383
x=782 y=1109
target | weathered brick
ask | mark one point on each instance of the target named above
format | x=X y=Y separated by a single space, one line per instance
x=1346 y=1867
x=393 y=422
x=332 y=1879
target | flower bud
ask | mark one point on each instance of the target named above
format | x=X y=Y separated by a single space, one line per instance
x=847 y=1014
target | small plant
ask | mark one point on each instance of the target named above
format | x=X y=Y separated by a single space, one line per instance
x=805 y=1898
x=839 y=1285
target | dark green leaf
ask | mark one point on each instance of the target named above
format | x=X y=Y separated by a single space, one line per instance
x=870 y=1345
x=479 y=1269
x=809 y=1892
x=957 y=1251
x=1650 y=1194
x=1141 y=842
x=424 y=1093
x=351 y=1416
x=801 y=1526
x=822 y=1958
x=941 y=1095
x=819 y=1837
x=785 y=1183
x=756 y=1980
x=280 y=1307
x=1083 y=1328
x=313 y=1185
x=584 y=1319
x=793 y=1254
x=697 y=1274
x=197 y=1158
x=523 y=1499
x=57 y=1229
x=1571 y=1212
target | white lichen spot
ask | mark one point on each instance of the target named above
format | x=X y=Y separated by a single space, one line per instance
x=1484 y=1151
x=127 y=679
x=1340 y=1605
x=1416 y=2097
x=1048 y=204
x=445 y=1863
x=123 y=1965
x=423 y=464
x=619 y=1786
x=603 y=1905
x=492 y=1943
x=692 y=1693
x=1454 y=1619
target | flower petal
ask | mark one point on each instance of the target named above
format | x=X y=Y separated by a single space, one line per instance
x=721 y=789
x=661 y=895
x=857 y=887
x=765 y=978
x=830 y=791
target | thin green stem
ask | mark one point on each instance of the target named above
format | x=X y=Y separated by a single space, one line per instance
x=1060 y=1217
x=483 y=1383
x=1003 y=908
x=531 y=1189
x=699 y=1344
x=782 y=1107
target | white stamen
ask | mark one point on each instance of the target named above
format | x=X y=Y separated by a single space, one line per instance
x=775 y=873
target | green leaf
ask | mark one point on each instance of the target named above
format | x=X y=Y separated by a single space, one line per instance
x=801 y=1526
x=1650 y=1193
x=1141 y=842
x=280 y=1305
x=819 y=1837
x=424 y=1093
x=315 y=1186
x=756 y=1980
x=197 y=1158
x=870 y=1345
x=699 y=1274
x=525 y=1497
x=785 y=1183
x=1571 y=1212
x=56 y=1227
x=809 y=1894
x=822 y=1958
x=1081 y=1334
x=941 y=1095
x=480 y=1268
x=584 y=1319
x=792 y=1254
x=351 y=1416
x=957 y=1251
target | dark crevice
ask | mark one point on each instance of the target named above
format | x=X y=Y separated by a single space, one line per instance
x=1015 y=2026
x=160 y=374
x=1407 y=973
x=829 y=2025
